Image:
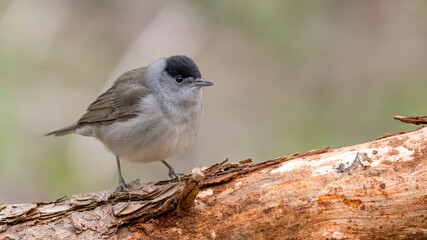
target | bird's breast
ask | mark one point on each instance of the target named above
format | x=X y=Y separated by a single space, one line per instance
x=155 y=134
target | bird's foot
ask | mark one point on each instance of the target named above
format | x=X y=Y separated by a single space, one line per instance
x=123 y=186
x=174 y=175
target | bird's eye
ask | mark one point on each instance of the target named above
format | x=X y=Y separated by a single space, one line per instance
x=179 y=79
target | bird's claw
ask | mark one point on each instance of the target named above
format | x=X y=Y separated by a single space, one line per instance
x=174 y=175
x=123 y=186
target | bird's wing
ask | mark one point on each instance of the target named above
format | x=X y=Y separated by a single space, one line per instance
x=120 y=101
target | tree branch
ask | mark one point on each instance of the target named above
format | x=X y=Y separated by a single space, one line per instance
x=367 y=191
x=413 y=119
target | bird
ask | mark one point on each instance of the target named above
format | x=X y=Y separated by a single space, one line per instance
x=148 y=114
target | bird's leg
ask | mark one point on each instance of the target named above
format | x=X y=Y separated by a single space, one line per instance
x=122 y=183
x=172 y=172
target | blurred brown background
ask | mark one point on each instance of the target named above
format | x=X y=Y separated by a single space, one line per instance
x=290 y=76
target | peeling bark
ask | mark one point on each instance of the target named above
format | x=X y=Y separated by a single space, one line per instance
x=413 y=119
x=375 y=190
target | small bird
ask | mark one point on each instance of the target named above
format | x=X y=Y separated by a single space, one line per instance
x=149 y=114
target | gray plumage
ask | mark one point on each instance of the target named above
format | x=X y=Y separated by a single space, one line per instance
x=149 y=113
x=117 y=103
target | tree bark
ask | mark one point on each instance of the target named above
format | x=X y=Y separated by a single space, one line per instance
x=374 y=190
x=413 y=119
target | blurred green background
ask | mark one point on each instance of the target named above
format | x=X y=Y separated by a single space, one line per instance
x=290 y=76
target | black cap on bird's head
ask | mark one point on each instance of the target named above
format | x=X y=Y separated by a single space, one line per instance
x=182 y=65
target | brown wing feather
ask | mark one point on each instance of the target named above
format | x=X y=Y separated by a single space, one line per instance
x=118 y=102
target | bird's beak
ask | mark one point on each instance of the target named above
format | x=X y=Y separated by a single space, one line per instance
x=202 y=83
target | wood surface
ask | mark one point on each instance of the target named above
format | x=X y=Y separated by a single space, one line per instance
x=374 y=190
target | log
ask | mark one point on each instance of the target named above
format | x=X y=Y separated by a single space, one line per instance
x=374 y=190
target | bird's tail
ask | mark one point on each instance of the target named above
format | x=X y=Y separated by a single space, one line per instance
x=64 y=131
